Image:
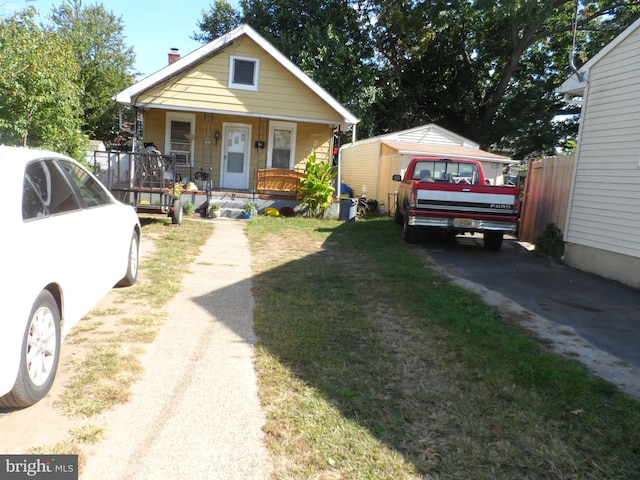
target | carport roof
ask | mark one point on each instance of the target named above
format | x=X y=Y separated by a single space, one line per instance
x=447 y=151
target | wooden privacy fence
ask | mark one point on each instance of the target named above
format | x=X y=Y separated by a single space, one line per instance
x=546 y=195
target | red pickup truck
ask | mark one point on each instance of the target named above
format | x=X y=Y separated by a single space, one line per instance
x=453 y=194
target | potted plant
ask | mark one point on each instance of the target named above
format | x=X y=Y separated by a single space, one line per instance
x=250 y=210
x=215 y=210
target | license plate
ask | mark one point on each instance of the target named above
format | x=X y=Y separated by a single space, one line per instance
x=463 y=222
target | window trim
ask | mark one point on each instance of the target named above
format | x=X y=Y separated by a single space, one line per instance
x=180 y=117
x=282 y=126
x=256 y=73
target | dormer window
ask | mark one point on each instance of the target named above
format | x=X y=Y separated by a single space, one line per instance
x=243 y=73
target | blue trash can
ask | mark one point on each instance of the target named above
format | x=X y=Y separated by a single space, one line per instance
x=348 y=209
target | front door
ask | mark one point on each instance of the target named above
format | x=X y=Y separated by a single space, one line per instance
x=235 y=156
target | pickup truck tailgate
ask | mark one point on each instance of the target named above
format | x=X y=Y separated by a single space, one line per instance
x=478 y=200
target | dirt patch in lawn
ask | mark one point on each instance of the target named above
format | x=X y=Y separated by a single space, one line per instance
x=45 y=424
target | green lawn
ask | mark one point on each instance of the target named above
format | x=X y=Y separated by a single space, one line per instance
x=374 y=366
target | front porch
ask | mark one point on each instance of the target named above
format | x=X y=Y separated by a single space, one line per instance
x=146 y=181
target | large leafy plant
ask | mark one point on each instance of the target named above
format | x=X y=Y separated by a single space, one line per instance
x=316 y=188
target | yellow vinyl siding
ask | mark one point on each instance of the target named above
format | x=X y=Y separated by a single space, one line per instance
x=310 y=137
x=360 y=165
x=205 y=87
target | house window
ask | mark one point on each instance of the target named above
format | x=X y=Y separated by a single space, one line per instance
x=282 y=145
x=180 y=132
x=243 y=73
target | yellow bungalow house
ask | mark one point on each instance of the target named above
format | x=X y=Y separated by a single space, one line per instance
x=232 y=110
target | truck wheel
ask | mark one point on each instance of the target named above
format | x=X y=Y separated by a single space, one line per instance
x=409 y=233
x=492 y=240
x=397 y=216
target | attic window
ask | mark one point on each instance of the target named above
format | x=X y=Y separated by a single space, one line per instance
x=243 y=73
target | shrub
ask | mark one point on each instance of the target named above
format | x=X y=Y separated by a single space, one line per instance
x=188 y=208
x=317 y=187
x=550 y=242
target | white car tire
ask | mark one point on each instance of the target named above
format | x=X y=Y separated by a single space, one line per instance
x=132 y=262
x=39 y=355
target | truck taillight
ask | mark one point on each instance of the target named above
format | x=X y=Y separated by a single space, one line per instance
x=516 y=206
x=414 y=199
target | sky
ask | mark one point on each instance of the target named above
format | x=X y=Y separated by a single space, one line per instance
x=151 y=27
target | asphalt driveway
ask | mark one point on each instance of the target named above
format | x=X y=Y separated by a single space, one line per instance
x=602 y=313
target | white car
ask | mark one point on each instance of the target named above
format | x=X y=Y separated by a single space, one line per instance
x=66 y=241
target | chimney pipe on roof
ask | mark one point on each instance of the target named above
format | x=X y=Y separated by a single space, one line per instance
x=174 y=55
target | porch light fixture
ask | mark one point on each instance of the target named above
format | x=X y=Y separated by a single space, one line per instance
x=217 y=137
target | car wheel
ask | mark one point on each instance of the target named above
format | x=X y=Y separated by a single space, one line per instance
x=39 y=355
x=492 y=240
x=132 y=264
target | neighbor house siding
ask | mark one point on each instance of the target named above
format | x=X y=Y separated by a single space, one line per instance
x=360 y=168
x=605 y=199
x=280 y=93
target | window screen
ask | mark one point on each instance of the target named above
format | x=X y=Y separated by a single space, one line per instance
x=244 y=72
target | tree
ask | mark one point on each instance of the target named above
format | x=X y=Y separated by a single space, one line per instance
x=220 y=19
x=486 y=69
x=39 y=97
x=105 y=62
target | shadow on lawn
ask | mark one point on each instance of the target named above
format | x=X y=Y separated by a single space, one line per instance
x=325 y=317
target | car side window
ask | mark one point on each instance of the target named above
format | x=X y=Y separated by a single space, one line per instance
x=47 y=182
x=32 y=204
x=91 y=191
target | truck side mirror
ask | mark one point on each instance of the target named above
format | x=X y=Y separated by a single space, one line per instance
x=396 y=178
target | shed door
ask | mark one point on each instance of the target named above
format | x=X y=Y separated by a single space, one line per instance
x=235 y=157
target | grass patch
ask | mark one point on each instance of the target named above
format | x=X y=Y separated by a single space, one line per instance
x=144 y=328
x=103 y=380
x=176 y=248
x=373 y=365
x=88 y=434
x=104 y=375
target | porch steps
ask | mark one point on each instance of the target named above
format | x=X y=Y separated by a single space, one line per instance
x=232 y=205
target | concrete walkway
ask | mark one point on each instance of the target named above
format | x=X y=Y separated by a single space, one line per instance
x=195 y=414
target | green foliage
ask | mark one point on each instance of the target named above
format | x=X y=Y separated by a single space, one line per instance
x=39 y=96
x=97 y=39
x=486 y=70
x=550 y=242
x=251 y=208
x=188 y=208
x=220 y=19
x=316 y=188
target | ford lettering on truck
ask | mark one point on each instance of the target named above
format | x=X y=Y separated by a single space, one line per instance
x=454 y=195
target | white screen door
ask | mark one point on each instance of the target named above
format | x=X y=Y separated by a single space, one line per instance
x=235 y=156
